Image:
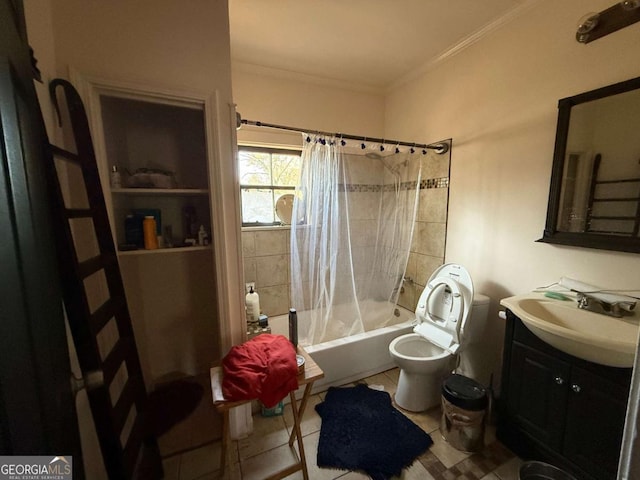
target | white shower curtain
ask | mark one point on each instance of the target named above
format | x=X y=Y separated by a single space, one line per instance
x=351 y=233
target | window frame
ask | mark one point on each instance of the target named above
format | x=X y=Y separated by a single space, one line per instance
x=273 y=188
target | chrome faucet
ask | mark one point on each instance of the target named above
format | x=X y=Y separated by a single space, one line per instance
x=613 y=309
x=400 y=285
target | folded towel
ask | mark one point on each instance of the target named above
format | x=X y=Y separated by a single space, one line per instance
x=216 y=385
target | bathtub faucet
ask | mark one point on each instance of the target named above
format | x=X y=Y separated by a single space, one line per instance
x=401 y=284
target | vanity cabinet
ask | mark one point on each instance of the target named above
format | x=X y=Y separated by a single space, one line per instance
x=560 y=409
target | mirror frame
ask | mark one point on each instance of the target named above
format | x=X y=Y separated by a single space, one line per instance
x=581 y=239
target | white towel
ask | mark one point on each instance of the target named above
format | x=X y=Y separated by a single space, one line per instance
x=216 y=384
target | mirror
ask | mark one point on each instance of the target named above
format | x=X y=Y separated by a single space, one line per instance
x=594 y=199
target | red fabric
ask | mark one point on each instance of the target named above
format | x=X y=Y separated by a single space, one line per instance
x=264 y=367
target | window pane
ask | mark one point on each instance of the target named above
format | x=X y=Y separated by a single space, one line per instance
x=255 y=168
x=257 y=206
x=286 y=170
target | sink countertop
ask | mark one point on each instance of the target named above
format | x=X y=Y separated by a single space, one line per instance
x=591 y=336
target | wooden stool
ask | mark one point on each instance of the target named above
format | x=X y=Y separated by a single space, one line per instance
x=312 y=372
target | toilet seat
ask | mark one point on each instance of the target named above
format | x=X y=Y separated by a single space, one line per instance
x=441 y=318
x=442 y=332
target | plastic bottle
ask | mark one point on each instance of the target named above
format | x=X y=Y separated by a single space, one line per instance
x=202 y=236
x=116 y=179
x=293 y=326
x=149 y=229
x=190 y=222
x=252 y=302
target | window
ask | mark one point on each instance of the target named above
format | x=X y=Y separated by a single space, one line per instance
x=265 y=175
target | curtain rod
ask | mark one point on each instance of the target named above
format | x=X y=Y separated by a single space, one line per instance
x=439 y=147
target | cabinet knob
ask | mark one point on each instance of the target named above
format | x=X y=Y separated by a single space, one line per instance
x=559 y=380
x=576 y=388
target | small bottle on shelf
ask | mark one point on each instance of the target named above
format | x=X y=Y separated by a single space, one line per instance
x=116 y=179
x=202 y=236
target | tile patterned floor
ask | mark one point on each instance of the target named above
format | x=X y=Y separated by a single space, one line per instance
x=267 y=450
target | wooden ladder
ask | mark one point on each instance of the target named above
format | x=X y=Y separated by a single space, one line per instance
x=96 y=305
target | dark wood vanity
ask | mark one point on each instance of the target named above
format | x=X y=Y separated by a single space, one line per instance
x=558 y=408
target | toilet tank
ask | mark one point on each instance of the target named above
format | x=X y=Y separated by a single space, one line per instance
x=477 y=321
x=474 y=356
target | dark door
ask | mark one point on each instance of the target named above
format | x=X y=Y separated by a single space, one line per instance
x=37 y=414
x=537 y=394
x=595 y=421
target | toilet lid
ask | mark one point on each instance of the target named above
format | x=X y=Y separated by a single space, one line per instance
x=444 y=307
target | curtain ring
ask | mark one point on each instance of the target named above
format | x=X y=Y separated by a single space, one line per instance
x=362 y=145
x=413 y=150
x=382 y=146
x=397 y=148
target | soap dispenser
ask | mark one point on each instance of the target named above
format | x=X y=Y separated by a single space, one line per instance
x=252 y=302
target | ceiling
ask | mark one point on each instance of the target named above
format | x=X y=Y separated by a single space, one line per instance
x=367 y=43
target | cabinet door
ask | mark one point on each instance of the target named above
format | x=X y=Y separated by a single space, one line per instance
x=537 y=394
x=595 y=421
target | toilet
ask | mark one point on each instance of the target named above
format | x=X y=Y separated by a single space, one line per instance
x=448 y=317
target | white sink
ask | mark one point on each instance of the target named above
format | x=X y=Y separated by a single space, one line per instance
x=587 y=335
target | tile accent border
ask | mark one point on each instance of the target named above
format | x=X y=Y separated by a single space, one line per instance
x=442 y=182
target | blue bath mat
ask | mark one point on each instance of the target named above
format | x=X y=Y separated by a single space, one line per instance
x=361 y=430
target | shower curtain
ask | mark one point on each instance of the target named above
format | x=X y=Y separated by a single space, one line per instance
x=351 y=233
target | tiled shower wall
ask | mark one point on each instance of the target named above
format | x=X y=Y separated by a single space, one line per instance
x=266 y=262
x=266 y=249
x=429 y=234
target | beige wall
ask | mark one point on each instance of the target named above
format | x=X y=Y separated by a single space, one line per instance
x=498 y=99
x=265 y=97
x=167 y=42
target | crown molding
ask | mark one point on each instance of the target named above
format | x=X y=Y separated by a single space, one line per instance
x=465 y=43
x=254 y=69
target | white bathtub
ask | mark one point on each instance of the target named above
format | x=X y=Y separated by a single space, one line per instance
x=355 y=357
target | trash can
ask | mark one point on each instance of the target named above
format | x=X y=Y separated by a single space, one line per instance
x=542 y=471
x=464 y=406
